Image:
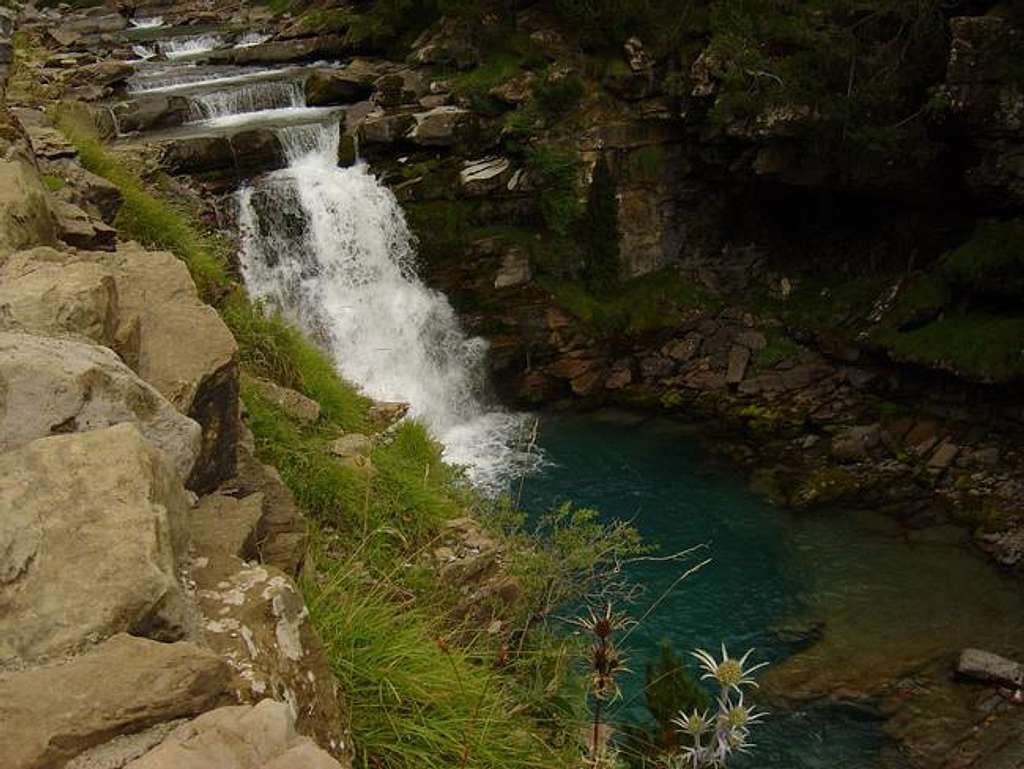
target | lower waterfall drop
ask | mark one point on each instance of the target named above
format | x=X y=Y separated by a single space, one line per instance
x=330 y=250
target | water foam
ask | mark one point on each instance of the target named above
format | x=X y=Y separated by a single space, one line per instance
x=147 y=23
x=250 y=39
x=177 y=47
x=330 y=249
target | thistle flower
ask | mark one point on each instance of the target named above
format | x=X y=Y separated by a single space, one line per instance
x=606 y=663
x=694 y=725
x=601 y=625
x=729 y=672
x=730 y=729
x=738 y=716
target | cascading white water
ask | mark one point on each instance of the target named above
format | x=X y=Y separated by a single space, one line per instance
x=255 y=97
x=143 y=52
x=177 y=47
x=250 y=39
x=330 y=249
x=148 y=23
x=183 y=77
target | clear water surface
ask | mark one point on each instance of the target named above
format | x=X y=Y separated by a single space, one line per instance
x=888 y=603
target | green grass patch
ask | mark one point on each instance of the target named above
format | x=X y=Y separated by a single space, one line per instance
x=647 y=303
x=54 y=183
x=416 y=700
x=270 y=348
x=829 y=303
x=403 y=503
x=555 y=97
x=558 y=168
x=921 y=299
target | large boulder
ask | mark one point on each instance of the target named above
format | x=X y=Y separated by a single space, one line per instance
x=262 y=736
x=282 y=534
x=51 y=386
x=990 y=668
x=291 y=402
x=49 y=715
x=282 y=51
x=442 y=127
x=77 y=228
x=41 y=293
x=25 y=218
x=92 y=193
x=346 y=85
x=196 y=154
x=180 y=346
x=148 y=112
x=93 y=536
x=258 y=149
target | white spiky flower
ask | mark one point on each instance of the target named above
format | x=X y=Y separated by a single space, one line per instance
x=695 y=724
x=730 y=672
x=738 y=716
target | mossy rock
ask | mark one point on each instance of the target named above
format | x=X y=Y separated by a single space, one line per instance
x=824 y=486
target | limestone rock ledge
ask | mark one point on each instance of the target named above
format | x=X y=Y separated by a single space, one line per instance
x=94 y=534
x=127 y=605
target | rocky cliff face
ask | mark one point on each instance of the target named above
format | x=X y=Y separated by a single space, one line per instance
x=148 y=605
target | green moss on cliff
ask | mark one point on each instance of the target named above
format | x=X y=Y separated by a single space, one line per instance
x=778 y=348
x=977 y=345
x=648 y=303
x=991 y=262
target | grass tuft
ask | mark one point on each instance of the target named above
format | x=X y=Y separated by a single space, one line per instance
x=415 y=699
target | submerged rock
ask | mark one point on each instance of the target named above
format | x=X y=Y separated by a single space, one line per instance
x=991 y=668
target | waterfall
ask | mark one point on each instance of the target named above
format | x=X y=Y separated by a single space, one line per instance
x=250 y=39
x=248 y=98
x=178 y=77
x=176 y=47
x=147 y=23
x=330 y=249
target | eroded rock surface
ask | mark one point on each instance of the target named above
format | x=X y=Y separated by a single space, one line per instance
x=54 y=386
x=238 y=737
x=50 y=714
x=93 y=537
